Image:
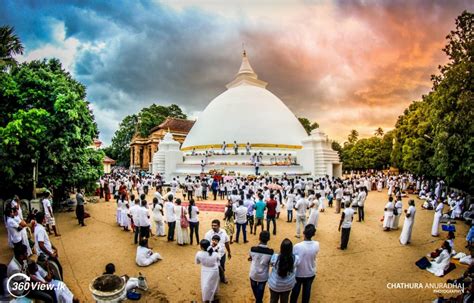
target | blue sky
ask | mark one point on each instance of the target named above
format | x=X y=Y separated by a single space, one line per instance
x=344 y=64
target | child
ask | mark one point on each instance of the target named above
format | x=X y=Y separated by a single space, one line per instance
x=209 y=261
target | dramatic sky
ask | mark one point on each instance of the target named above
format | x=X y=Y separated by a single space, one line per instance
x=345 y=64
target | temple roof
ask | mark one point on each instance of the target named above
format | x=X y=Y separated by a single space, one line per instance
x=175 y=124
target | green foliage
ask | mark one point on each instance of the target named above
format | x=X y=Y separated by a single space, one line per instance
x=435 y=136
x=46 y=118
x=10 y=45
x=144 y=121
x=337 y=147
x=368 y=153
x=308 y=126
x=353 y=136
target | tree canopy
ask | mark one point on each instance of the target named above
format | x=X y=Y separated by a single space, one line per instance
x=140 y=123
x=45 y=118
x=10 y=45
x=308 y=126
x=435 y=136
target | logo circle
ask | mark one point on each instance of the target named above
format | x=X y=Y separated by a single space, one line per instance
x=18 y=285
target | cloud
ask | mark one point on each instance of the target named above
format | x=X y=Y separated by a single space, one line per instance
x=347 y=65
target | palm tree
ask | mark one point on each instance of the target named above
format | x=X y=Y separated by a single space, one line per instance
x=353 y=136
x=10 y=45
x=379 y=132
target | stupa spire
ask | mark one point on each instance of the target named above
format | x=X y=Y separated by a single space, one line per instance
x=246 y=74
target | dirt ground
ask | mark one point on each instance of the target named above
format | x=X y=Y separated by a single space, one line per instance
x=362 y=273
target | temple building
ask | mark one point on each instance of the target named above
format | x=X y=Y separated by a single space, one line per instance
x=244 y=127
x=142 y=149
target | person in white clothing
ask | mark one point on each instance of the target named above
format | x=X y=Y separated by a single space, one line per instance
x=361 y=197
x=158 y=218
x=405 y=236
x=345 y=224
x=193 y=212
x=441 y=263
x=388 y=214
x=182 y=231
x=48 y=211
x=301 y=206
x=290 y=202
x=146 y=256
x=307 y=252
x=397 y=212
x=221 y=247
x=240 y=213
x=170 y=217
x=314 y=212
x=209 y=261
x=437 y=218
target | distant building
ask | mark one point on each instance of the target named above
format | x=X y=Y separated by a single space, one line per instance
x=107 y=162
x=142 y=149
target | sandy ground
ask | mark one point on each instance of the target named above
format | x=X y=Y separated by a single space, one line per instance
x=361 y=273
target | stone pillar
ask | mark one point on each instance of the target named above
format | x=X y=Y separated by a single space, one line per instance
x=317 y=156
x=167 y=158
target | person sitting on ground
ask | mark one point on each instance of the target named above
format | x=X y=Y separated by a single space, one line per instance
x=146 y=256
x=131 y=282
x=441 y=263
x=450 y=240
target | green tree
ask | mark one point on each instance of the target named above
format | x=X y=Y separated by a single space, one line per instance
x=353 y=136
x=451 y=103
x=140 y=123
x=435 y=136
x=308 y=126
x=10 y=45
x=379 y=132
x=337 y=147
x=46 y=118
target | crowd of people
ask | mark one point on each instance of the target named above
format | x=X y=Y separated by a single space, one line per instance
x=252 y=202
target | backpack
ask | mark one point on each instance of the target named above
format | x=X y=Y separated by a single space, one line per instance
x=184 y=220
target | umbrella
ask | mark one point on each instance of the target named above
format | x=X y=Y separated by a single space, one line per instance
x=274 y=186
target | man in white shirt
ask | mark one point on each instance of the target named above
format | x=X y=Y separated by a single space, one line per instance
x=134 y=209
x=14 y=228
x=222 y=246
x=361 y=196
x=346 y=223
x=43 y=244
x=144 y=219
x=170 y=217
x=306 y=270
x=301 y=206
x=48 y=211
x=240 y=213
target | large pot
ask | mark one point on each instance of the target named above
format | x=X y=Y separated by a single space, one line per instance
x=108 y=288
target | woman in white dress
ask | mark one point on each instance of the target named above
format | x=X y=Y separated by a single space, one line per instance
x=209 y=261
x=436 y=219
x=441 y=263
x=158 y=218
x=388 y=214
x=396 y=218
x=125 y=216
x=314 y=212
x=379 y=185
x=120 y=203
x=182 y=234
x=405 y=236
x=146 y=256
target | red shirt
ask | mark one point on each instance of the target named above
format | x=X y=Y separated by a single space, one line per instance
x=271 y=207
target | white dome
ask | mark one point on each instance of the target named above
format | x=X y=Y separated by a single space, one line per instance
x=246 y=112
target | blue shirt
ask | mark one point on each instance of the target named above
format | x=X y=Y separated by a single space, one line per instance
x=259 y=209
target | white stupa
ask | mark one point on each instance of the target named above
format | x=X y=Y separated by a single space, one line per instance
x=247 y=113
